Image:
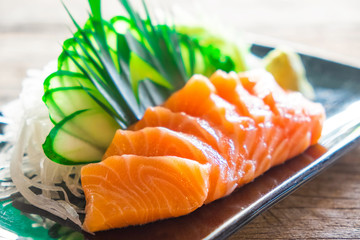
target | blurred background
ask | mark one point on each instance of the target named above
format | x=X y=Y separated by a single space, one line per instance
x=31 y=33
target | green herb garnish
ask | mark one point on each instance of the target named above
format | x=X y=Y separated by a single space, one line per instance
x=110 y=71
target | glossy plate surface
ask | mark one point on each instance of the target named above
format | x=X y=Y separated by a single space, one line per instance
x=337 y=87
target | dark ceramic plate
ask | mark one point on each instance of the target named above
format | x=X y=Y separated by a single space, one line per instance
x=337 y=87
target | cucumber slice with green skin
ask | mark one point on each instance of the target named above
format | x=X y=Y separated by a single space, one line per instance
x=65 y=96
x=66 y=93
x=65 y=63
x=93 y=126
x=61 y=79
x=109 y=30
x=121 y=24
x=67 y=100
x=72 y=47
x=64 y=147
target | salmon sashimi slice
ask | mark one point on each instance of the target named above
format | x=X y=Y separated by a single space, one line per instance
x=223 y=116
x=288 y=115
x=229 y=87
x=223 y=132
x=131 y=190
x=291 y=108
x=198 y=98
x=159 y=141
x=200 y=128
x=300 y=119
x=266 y=128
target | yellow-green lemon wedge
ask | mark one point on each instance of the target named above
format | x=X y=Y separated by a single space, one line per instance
x=288 y=70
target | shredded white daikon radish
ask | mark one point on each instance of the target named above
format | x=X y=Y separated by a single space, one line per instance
x=23 y=161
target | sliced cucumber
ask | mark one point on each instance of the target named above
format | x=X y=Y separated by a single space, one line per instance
x=121 y=24
x=66 y=93
x=65 y=145
x=66 y=63
x=65 y=101
x=77 y=51
x=60 y=79
x=82 y=125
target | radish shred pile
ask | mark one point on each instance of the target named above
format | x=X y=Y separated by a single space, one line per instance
x=23 y=163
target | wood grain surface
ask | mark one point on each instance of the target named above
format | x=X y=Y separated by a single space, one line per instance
x=328 y=207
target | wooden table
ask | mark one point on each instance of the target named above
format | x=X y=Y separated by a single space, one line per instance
x=326 y=208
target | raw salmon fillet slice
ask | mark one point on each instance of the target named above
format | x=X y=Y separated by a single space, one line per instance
x=158 y=141
x=300 y=119
x=131 y=190
x=200 y=128
x=229 y=87
x=250 y=148
x=237 y=126
x=198 y=98
x=271 y=131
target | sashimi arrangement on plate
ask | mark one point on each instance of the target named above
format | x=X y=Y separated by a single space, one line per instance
x=142 y=121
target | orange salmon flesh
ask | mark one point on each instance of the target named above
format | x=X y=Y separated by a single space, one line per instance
x=207 y=139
